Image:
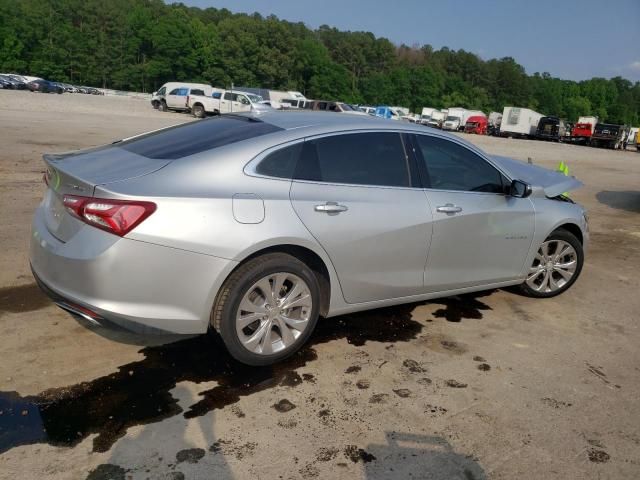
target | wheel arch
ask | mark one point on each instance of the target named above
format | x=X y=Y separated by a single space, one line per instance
x=317 y=261
x=572 y=228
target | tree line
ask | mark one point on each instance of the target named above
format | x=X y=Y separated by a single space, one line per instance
x=140 y=44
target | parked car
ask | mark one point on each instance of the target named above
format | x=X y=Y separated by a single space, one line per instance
x=257 y=225
x=328 y=106
x=45 y=86
x=551 y=128
x=13 y=83
x=476 y=124
x=608 y=135
x=387 y=112
x=224 y=102
x=368 y=110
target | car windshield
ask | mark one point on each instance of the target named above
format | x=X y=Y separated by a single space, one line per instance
x=254 y=98
x=347 y=108
x=451 y=118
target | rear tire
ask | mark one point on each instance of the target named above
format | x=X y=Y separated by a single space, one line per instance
x=251 y=311
x=556 y=266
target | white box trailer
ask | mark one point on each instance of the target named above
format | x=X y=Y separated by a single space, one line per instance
x=454 y=118
x=519 y=122
x=425 y=116
x=495 y=119
x=471 y=113
x=436 y=119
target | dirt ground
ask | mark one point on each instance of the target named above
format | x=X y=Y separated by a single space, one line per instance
x=489 y=385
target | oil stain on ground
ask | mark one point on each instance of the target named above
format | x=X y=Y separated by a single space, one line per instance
x=462 y=306
x=23 y=298
x=140 y=392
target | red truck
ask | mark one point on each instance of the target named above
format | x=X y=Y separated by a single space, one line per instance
x=476 y=124
x=583 y=130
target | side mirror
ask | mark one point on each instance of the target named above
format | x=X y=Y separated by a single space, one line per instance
x=520 y=189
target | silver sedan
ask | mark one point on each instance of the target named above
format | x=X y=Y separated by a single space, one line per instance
x=258 y=225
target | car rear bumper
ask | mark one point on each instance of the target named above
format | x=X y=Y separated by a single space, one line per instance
x=137 y=285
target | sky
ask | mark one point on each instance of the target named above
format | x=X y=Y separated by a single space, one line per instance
x=571 y=39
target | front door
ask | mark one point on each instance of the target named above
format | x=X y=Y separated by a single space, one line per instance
x=480 y=234
x=353 y=193
x=177 y=98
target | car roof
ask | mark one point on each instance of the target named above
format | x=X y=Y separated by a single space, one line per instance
x=315 y=122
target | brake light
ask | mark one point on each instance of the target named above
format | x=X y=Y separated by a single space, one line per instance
x=114 y=216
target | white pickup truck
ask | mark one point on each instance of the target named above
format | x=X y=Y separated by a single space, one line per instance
x=224 y=101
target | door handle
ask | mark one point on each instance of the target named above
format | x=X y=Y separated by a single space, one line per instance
x=449 y=208
x=331 y=207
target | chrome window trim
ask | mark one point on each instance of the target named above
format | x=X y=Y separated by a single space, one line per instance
x=250 y=167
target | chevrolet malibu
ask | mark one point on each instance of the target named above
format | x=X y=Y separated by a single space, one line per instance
x=256 y=226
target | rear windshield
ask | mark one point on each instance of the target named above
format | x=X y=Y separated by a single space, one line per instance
x=199 y=136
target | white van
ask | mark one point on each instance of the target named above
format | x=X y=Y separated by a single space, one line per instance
x=173 y=95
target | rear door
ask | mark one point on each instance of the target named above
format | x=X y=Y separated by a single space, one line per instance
x=355 y=193
x=480 y=234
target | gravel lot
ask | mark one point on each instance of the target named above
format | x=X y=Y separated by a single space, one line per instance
x=489 y=385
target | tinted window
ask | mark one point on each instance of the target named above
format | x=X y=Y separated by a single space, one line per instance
x=179 y=91
x=196 y=137
x=280 y=163
x=195 y=91
x=450 y=166
x=361 y=158
x=228 y=96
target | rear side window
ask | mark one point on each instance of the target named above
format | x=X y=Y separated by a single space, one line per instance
x=357 y=158
x=281 y=163
x=191 y=138
x=450 y=166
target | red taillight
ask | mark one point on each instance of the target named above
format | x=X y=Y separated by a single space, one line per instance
x=114 y=216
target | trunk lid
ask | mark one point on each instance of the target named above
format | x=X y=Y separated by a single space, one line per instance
x=553 y=183
x=78 y=173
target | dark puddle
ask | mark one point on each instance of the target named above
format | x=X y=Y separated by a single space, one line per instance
x=139 y=392
x=462 y=306
x=624 y=200
x=24 y=298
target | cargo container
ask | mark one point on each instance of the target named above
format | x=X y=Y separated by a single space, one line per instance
x=519 y=122
x=551 y=128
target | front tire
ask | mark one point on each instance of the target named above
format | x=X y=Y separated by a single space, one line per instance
x=163 y=106
x=556 y=266
x=267 y=309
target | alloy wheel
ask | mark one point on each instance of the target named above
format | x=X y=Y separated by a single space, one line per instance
x=553 y=267
x=273 y=313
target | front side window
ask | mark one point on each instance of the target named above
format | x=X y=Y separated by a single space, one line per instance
x=179 y=92
x=451 y=166
x=195 y=91
x=356 y=158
